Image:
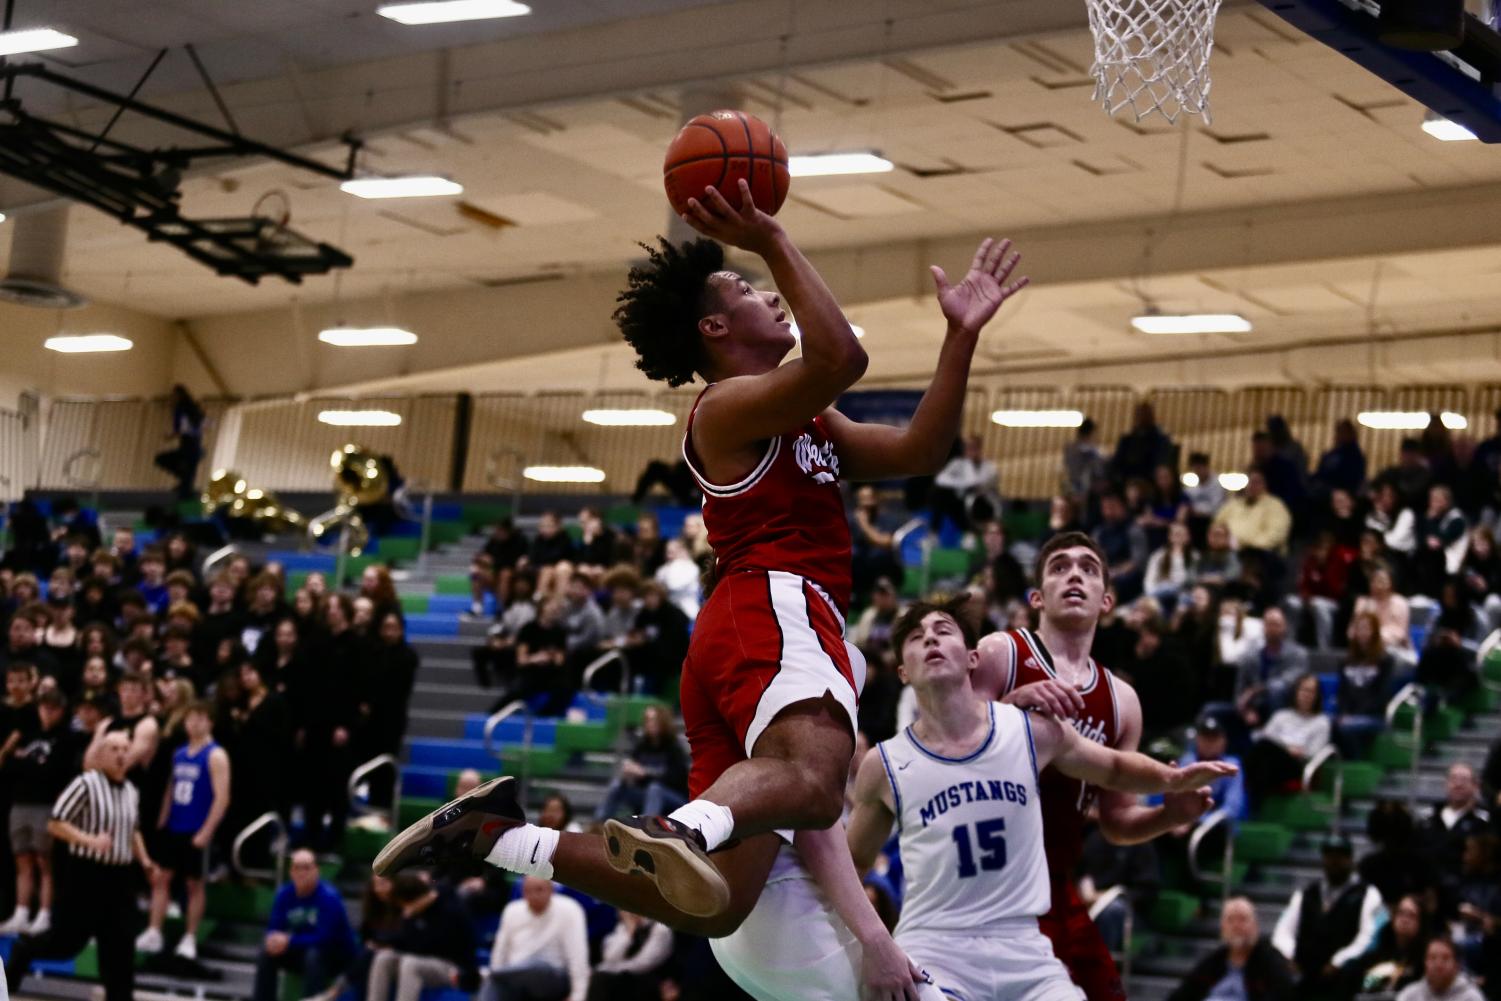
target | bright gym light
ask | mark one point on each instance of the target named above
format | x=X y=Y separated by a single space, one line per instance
x=1409 y=420
x=417 y=186
x=826 y=164
x=1189 y=480
x=1192 y=323
x=447 y=11
x=1234 y=481
x=1037 y=418
x=360 y=418
x=629 y=418
x=80 y=344
x=1443 y=129
x=564 y=474
x=366 y=337
x=13 y=43
x=855 y=328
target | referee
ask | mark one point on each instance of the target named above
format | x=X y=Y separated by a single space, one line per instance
x=96 y=816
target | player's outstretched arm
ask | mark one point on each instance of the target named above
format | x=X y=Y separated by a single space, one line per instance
x=879 y=451
x=1060 y=745
x=750 y=408
x=1124 y=819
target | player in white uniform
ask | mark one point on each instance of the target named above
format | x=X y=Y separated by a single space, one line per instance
x=961 y=785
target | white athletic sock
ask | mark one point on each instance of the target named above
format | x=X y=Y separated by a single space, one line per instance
x=711 y=820
x=526 y=850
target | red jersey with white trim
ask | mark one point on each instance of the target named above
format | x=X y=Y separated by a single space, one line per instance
x=787 y=514
x=1065 y=800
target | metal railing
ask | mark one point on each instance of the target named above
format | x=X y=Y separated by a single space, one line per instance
x=604 y=660
x=221 y=555
x=1211 y=822
x=1097 y=908
x=500 y=716
x=363 y=773
x=899 y=538
x=269 y=819
x=1411 y=694
x=516 y=484
x=1311 y=771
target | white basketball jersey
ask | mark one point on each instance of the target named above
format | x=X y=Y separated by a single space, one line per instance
x=970 y=828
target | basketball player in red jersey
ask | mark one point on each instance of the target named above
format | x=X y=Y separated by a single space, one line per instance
x=769 y=686
x=1051 y=669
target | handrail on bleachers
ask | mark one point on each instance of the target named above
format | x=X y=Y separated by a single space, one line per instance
x=220 y=555
x=1208 y=823
x=1330 y=752
x=1410 y=694
x=369 y=768
x=1097 y=908
x=595 y=666
x=494 y=720
x=270 y=819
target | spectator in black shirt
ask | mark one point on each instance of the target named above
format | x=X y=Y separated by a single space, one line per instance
x=494 y=566
x=1104 y=866
x=39 y=768
x=653 y=780
x=18 y=711
x=330 y=718
x=1125 y=546
x=1010 y=580
x=94 y=603
x=597 y=546
x=551 y=555
x=658 y=642
x=94 y=683
x=25 y=636
x=258 y=740
x=1364 y=679
x=541 y=650
x=1169 y=685
x=434 y=947
x=262 y=609
x=377 y=586
x=871 y=540
x=1142 y=449
x=220 y=619
x=386 y=678
x=1453 y=820
x=649 y=550
x=176 y=658
x=1410 y=477
x=123 y=549
x=1343 y=466
x=181 y=462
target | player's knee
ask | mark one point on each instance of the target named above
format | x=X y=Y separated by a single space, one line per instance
x=723 y=924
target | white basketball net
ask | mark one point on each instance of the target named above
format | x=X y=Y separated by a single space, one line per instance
x=1153 y=55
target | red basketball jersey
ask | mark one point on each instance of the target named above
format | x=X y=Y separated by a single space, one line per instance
x=1065 y=800
x=787 y=514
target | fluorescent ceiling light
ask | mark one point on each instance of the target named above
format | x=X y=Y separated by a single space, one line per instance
x=824 y=164
x=855 y=328
x=629 y=418
x=2 y=216
x=77 y=344
x=445 y=11
x=1409 y=420
x=1189 y=479
x=417 y=186
x=360 y=418
x=1038 y=418
x=13 y=43
x=1234 y=481
x=366 y=337
x=564 y=474
x=1196 y=323
x=1450 y=132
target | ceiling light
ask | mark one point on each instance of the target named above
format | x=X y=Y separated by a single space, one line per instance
x=564 y=474
x=2 y=216
x=629 y=418
x=445 y=11
x=1234 y=481
x=824 y=164
x=366 y=337
x=1409 y=420
x=1038 y=418
x=1195 y=323
x=77 y=344
x=416 y=186
x=13 y=43
x=1442 y=128
x=360 y=418
x=855 y=329
x=1189 y=480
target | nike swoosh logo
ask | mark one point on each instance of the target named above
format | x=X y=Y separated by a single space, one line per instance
x=534 y=852
x=903 y=766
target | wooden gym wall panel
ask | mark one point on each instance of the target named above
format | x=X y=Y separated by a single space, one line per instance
x=18 y=454
x=1339 y=402
x=124 y=436
x=283 y=445
x=1029 y=460
x=1204 y=420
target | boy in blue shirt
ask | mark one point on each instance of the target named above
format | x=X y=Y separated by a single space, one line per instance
x=308 y=932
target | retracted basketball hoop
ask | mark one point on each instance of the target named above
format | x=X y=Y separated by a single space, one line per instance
x=1153 y=55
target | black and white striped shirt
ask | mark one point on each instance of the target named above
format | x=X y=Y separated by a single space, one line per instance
x=94 y=805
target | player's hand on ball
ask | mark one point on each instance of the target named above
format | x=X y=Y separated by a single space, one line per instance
x=1202 y=772
x=969 y=305
x=747 y=227
x=1048 y=695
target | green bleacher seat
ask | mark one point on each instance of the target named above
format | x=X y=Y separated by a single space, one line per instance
x=1362 y=778
x=1172 y=911
x=912 y=583
x=240 y=902
x=1260 y=841
x=627 y=710
x=295 y=580
x=948 y=564
x=536 y=762
x=481 y=516
x=414 y=808
x=1024 y=526
x=446 y=533
x=1389 y=751
x=86 y=966
x=572 y=737
x=361 y=845
x=290 y=988
x=399 y=549
x=1491 y=669
x=451 y=583
x=1443 y=723
x=414 y=604
x=1483 y=699
x=622 y=516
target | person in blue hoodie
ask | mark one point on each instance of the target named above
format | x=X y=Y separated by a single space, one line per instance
x=308 y=933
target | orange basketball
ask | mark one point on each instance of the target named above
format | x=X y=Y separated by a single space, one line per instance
x=717 y=150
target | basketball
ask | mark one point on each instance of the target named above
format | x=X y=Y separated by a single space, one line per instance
x=720 y=148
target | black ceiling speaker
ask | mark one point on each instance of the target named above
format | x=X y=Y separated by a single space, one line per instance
x=1425 y=25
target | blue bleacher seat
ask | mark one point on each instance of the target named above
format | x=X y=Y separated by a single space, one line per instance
x=433 y=624
x=1329 y=693
x=293 y=560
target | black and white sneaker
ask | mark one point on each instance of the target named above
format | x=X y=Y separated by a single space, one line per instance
x=672 y=855
x=464 y=830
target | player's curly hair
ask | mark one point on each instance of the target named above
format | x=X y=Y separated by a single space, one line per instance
x=662 y=303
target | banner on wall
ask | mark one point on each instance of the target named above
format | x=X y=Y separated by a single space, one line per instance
x=881 y=406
